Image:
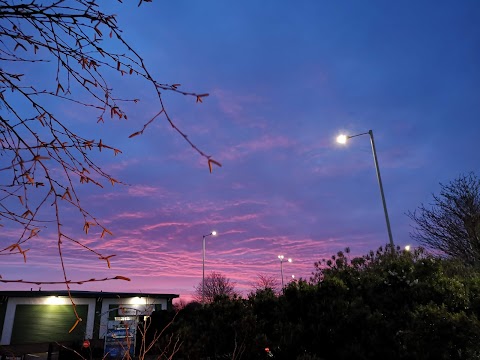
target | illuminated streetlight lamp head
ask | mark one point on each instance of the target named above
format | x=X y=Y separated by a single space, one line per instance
x=281 y=257
x=342 y=139
x=407 y=247
x=214 y=233
x=290 y=260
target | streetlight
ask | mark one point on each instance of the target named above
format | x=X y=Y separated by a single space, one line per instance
x=213 y=233
x=342 y=139
x=281 y=257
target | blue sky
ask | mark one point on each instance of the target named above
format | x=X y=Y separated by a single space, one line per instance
x=284 y=79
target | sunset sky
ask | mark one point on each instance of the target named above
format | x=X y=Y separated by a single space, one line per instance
x=284 y=78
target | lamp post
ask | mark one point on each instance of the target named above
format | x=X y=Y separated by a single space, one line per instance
x=281 y=257
x=342 y=139
x=213 y=233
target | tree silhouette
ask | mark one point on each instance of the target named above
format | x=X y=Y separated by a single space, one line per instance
x=79 y=48
x=216 y=284
x=265 y=281
x=452 y=222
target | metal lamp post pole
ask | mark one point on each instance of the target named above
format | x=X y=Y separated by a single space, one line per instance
x=379 y=178
x=281 y=269
x=203 y=270
x=281 y=257
x=342 y=139
x=203 y=265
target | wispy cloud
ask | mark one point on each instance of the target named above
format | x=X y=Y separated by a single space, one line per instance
x=265 y=143
x=240 y=107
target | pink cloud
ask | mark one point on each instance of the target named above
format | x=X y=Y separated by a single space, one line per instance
x=237 y=107
x=262 y=144
x=145 y=190
x=166 y=224
x=132 y=215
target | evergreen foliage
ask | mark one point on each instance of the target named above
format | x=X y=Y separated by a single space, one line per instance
x=405 y=305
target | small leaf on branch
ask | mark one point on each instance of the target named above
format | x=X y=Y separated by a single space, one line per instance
x=17 y=77
x=74 y=325
x=140 y=3
x=105 y=231
x=19 y=45
x=118 y=277
x=67 y=194
x=199 y=97
x=210 y=162
x=115 y=111
x=21 y=199
x=97 y=30
x=41 y=117
x=38 y=158
x=24 y=255
x=88 y=144
x=59 y=87
x=13 y=247
x=135 y=134
x=107 y=259
x=87 y=225
x=26 y=214
x=30 y=180
x=34 y=232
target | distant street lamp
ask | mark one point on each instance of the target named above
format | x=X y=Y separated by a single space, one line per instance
x=281 y=257
x=213 y=233
x=407 y=247
x=342 y=139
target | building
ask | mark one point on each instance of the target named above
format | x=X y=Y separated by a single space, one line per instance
x=34 y=319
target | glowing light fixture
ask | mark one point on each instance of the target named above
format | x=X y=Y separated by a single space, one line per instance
x=342 y=139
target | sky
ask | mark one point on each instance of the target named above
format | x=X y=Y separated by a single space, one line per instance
x=284 y=78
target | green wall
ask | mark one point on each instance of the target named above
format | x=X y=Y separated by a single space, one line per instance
x=46 y=323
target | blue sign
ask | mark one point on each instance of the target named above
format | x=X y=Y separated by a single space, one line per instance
x=119 y=342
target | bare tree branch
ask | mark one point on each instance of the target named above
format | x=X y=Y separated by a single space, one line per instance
x=43 y=159
x=216 y=284
x=451 y=223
